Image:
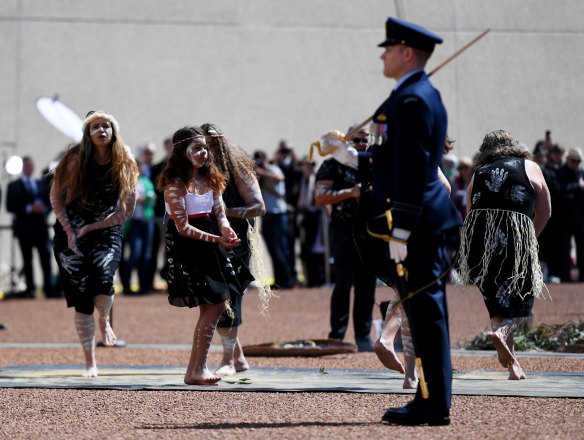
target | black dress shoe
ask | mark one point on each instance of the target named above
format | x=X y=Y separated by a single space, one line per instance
x=413 y=414
x=29 y=294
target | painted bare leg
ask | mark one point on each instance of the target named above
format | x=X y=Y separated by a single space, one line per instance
x=85 y=326
x=501 y=330
x=241 y=363
x=234 y=360
x=228 y=339
x=383 y=347
x=103 y=304
x=411 y=379
x=197 y=371
x=515 y=370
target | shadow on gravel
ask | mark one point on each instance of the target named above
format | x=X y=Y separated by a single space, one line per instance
x=213 y=426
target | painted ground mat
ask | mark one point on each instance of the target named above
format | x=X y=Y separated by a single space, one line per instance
x=263 y=379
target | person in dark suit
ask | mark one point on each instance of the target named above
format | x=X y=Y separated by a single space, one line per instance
x=28 y=199
x=570 y=214
x=411 y=209
x=339 y=186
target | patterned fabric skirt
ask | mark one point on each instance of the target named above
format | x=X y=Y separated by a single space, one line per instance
x=201 y=272
x=84 y=277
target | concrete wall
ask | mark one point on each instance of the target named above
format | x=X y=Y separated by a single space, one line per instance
x=271 y=69
x=266 y=70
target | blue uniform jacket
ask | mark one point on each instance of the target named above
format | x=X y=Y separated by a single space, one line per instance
x=403 y=163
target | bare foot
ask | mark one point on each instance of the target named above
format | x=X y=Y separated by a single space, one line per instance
x=226 y=370
x=241 y=365
x=388 y=357
x=107 y=333
x=91 y=372
x=207 y=381
x=410 y=383
x=505 y=356
x=516 y=372
x=203 y=378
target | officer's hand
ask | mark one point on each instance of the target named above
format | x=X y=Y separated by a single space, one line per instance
x=398 y=250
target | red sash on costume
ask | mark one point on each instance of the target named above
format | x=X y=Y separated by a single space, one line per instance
x=202 y=214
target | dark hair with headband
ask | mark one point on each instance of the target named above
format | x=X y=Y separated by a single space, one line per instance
x=230 y=158
x=179 y=166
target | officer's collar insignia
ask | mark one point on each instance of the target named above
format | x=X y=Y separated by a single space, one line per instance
x=381 y=118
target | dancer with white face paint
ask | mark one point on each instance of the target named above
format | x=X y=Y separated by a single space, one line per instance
x=202 y=270
x=92 y=194
x=244 y=202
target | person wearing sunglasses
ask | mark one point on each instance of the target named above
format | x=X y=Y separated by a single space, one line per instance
x=338 y=185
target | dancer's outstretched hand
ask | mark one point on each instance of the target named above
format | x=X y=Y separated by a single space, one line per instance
x=227 y=231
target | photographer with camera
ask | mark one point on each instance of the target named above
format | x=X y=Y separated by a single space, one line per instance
x=275 y=221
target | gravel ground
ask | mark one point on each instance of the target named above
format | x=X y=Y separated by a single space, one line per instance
x=298 y=314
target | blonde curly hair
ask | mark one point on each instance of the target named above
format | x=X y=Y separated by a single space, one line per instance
x=498 y=144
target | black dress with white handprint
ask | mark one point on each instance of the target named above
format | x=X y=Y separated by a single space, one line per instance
x=499 y=247
x=93 y=274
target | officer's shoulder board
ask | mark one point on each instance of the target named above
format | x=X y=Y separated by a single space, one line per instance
x=411 y=99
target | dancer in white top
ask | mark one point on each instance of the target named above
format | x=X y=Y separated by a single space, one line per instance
x=202 y=270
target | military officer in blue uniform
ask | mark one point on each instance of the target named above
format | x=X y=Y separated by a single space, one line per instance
x=411 y=209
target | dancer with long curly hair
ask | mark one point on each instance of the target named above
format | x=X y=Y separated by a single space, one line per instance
x=203 y=272
x=92 y=194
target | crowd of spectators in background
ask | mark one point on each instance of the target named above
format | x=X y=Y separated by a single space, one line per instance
x=295 y=229
x=561 y=244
